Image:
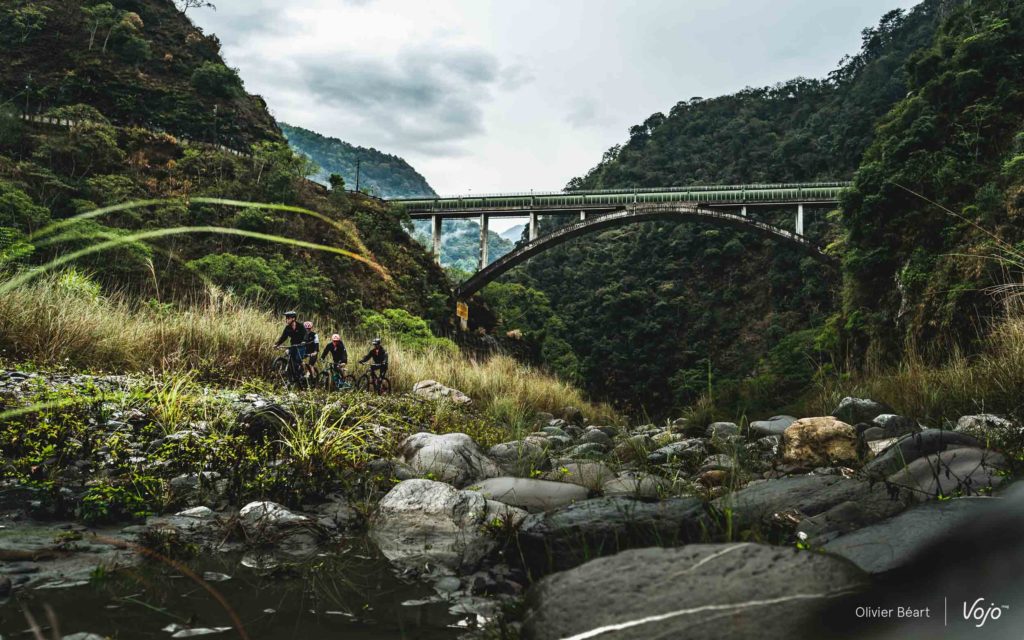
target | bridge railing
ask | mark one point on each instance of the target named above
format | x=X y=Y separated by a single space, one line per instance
x=630 y=190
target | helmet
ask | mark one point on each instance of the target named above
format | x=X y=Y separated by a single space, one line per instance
x=290 y=314
x=335 y=338
x=307 y=324
x=376 y=342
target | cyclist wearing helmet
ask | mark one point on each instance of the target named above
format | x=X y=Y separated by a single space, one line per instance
x=312 y=343
x=295 y=333
x=336 y=349
x=379 y=357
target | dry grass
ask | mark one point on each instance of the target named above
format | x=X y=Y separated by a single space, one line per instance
x=62 y=320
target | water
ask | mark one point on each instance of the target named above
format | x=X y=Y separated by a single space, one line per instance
x=351 y=593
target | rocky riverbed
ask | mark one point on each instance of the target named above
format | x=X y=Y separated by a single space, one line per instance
x=670 y=530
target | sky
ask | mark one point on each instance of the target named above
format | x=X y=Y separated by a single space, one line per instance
x=485 y=96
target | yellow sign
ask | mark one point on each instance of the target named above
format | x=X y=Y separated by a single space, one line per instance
x=462 y=310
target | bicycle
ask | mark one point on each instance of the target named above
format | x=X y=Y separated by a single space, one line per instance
x=335 y=378
x=370 y=381
x=284 y=367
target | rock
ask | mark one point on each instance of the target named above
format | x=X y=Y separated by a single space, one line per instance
x=913 y=446
x=764 y=451
x=718 y=461
x=857 y=410
x=991 y=430
x=784 y=503
x=591 y=475
x=962 y=471
x=199 y=488
x=82 y=635
x=720 y=430
x=421 y=521
x=542 y=418
x=721 y=589
x=895 y=542
x=875 y=447
x=530 y=494
x=566 y=537
x=257 y=515
x=596 y=436
x=262 y=420
x=689 y=452
x=816 y=442
x=873 y=433
x=714 y=478
x=196 y=512
x=773 y=426
x=434 y=390
x=520 y=458
x=554 y=431
x=892 y=426
x=453 y=458
x=633 y=448
x=636 y=484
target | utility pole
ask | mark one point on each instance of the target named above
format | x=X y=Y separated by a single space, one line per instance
x=359 y=161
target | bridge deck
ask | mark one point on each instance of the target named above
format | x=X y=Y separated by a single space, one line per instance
x=609 y=200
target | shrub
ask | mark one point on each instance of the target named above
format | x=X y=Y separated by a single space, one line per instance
x=215 y=79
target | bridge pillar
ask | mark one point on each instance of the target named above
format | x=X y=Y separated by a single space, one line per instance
x=799 y=219
x=435 y=233
x=483 y=240
x=583 y=216
x=744 y=211
x=533 y=226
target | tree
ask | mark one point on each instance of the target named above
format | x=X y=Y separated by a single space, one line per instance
x=215 y=79
x=337 y=182
x=185 y=5
x=101 y=16
x=24 y=22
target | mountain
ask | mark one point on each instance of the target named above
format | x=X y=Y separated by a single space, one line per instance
x=659 y=314
x=381 y=173
x=514 y=234
x=139 y=102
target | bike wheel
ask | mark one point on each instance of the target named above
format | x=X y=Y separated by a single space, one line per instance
x=383 y=387
x=280 y=369
x=348 y=382
x=363 y=384
x=325 y=381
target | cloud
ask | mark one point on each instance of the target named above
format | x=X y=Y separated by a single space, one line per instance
x=584 y=112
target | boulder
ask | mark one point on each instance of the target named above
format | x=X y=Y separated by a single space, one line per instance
x=890 y=425
x=697 y=591
x=991 y=430
x=719 y=430
x=636 y=484
x=520 y=458
x=785 y=502
x=591 y=475
x=529 y=493
x=897 y=541
x=913 y=446
x=857 y=410
x=773 y=426
x=689 y=452
x=262 y=420
x=819 y=442
x=270 y=523
x=586 y=451
x=954 y=472
x=422 y=521
x=596 y=436
x=434 y=390
x=453 y=458
x=719 y=461
x=567 y=537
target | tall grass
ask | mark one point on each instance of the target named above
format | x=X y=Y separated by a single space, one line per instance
x=61 y=319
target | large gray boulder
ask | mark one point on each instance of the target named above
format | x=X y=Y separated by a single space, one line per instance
x=434 y=390
x=689 y=452
x=708 y=591
x=914 y=446
x=897 y=541
x=773 y=426
x=422 y=521
x=991 y=430
x=858 y=410
x=890 y=425
x=786 y=502
x=531 y=494
x=570 y=536
x=719 y=430
x=453 y=458
x=963 y=471
x=520 y=457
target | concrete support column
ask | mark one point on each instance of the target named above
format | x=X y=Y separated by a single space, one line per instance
x=583 y=216
x=533 y=226
x=435 y=233
x=799 y=219
x=743 y=212
x=483 y=241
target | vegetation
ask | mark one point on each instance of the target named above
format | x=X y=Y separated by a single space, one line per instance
x=380 y=173
x=460 y=243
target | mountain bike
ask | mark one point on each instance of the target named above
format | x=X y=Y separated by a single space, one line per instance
x=335 y=378
x=289 y=375
x=372 y=381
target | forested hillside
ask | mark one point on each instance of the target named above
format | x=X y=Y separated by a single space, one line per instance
x=120 y=73
x=658 y=313
x=381 y=174
x=460 y=243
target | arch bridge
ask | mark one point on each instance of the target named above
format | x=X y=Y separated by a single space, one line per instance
x=597 y=210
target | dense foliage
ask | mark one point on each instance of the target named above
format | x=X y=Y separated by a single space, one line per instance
x=657 y=313
x=380 y=174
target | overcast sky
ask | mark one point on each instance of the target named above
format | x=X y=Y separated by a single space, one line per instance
x=487 y=96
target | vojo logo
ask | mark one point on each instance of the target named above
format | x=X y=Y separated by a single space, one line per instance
x=980 y=613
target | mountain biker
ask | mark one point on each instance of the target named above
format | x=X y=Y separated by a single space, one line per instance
x=312 y=346
x=379 y=356
x=336 y=349
x=296 y=334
